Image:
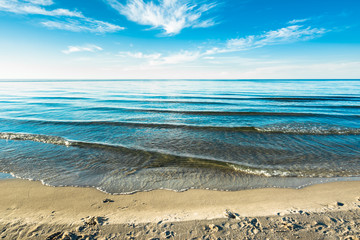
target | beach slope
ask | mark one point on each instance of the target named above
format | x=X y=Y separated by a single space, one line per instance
x=29 y=210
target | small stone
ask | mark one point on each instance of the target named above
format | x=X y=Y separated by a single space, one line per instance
x=107 y=200
x=92 y=221
x=211 y=226
x=340 y=204
x=68 y=236
x=79 y=229
x=351 y=238
x=230 y=214
x=254 y=222
x=214 y=228
x=168 y=234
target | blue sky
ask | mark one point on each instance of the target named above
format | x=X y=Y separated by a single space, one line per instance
x=222 y=39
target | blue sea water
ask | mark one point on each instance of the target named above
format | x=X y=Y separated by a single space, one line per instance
x=124 y=136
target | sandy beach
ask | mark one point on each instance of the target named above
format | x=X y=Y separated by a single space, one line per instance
x=30 y=210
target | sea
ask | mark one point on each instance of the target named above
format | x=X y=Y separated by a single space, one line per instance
x=126 y=136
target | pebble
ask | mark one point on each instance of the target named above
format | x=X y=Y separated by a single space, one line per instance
x=230 y=214
x=168 y=234
x=214 y=228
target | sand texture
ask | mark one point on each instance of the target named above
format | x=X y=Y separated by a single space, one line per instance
x=29 y=210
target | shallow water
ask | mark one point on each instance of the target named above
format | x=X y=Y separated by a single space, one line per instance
x=126 y=136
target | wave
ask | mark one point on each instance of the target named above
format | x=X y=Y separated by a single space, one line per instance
x=311 y=98
x=219 y=113
x=204 y=113
x=298 y=129
x=282 y=99
x=349 y=107
x=62 y=98
x=324 y=107
x=160 y=158
x=1 y=101
x=55 y=140
x=231 y=97
x=48 y=104
x=309 y=130
x=35 y=138
x=164 y=101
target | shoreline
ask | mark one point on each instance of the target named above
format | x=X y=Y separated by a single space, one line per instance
x=30 y=204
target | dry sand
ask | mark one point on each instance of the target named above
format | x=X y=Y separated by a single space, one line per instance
x=29 y=210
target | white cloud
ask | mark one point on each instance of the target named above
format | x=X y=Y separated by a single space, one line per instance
x=169 y=15
x=284 y=35
x=160 y=59
x=74 y=21
x=140 y=55
x=82 y=25
x=280 y=36
x=41 y=2
x=181 y=57
x=295 y=21
x=35 y=7
x=86 y=48
x=288 y=34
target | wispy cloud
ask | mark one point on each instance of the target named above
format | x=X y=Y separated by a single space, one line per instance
x=181 y=57
x=169 y=15
x=295 y=21
x=161 y=59
x=86 y=48
x=41 y=2
x=140 y=55
x=288 y=34
x=284 y=35
x=61 y=18
x=35 y=7
x=82 y=25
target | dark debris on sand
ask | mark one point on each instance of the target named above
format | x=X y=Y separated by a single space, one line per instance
x=342 y=225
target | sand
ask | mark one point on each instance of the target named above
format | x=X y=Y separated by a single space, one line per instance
x=29 y=210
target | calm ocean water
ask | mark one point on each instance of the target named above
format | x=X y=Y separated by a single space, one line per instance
x=127 y=136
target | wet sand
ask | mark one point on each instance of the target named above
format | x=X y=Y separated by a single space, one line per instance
x=29 y=210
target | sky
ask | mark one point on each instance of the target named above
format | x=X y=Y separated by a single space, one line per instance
x=179 y=39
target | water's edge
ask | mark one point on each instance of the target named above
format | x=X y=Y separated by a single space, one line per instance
x=12 y=177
